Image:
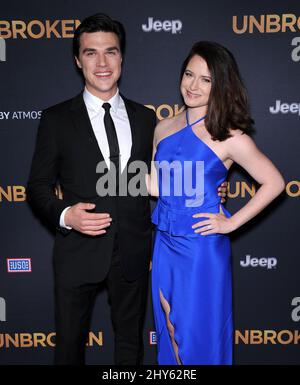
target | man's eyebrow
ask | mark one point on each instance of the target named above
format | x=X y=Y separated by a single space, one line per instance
x=89 y=50
x=114 y=48
x=109 y=49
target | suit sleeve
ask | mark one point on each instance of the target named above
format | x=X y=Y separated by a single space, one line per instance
x=153 y=122
x=44 y=174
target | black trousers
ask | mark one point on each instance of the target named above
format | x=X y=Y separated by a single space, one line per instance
x=73 y=310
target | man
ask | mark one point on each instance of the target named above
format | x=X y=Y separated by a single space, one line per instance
x=99 y=238
x=112 y=243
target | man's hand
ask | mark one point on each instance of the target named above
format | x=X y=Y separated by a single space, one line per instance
x=87 y=223
x=222 y=191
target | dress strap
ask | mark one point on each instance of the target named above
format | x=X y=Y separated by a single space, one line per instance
x=187 y=117
x=197 y=121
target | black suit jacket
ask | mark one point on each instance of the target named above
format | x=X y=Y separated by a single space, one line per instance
x=67 y=152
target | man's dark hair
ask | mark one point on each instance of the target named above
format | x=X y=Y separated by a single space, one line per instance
x=99 y=23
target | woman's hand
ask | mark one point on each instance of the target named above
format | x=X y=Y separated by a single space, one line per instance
x=216 y=223
x=222 y=191
x=152 y=185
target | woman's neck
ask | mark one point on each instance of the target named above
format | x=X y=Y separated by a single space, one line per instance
x=196 y=113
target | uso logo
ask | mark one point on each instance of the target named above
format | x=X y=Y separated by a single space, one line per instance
x=153 y=340
x=19 y=265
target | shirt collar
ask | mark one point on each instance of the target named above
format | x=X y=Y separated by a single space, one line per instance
x=95 y=103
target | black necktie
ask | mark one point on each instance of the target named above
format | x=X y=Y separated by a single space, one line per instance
x=114 y=151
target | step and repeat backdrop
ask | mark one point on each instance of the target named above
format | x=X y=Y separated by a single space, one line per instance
x=37 y=70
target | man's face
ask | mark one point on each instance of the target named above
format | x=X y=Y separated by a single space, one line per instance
x=100 y=60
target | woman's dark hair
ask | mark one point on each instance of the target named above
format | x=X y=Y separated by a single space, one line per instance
x=99 y=23
x=228 y=101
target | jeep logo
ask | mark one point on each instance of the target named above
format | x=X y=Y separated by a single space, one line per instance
x=173 y=26
x=269 y=263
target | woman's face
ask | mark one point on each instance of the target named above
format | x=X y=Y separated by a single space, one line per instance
x=196 y=83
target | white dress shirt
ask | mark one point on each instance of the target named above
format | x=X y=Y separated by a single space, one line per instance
x=120 y=118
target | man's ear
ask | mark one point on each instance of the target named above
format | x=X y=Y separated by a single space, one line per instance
x=78 y=62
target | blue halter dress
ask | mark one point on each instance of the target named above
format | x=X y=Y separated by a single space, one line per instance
x=192 y=271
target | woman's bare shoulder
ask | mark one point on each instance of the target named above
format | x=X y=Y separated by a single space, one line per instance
x=239 y=142
x=238 y=136
x=167 y=126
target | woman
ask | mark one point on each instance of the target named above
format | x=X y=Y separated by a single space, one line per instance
x=191 y=273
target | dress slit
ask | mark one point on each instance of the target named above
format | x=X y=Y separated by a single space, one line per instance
x=168 y=316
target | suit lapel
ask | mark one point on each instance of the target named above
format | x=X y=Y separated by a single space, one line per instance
x=84 y=127
x=134 y=126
